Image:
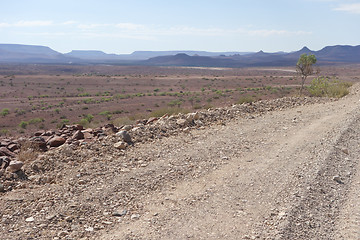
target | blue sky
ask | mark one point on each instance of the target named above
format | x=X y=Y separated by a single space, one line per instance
x=117 y=26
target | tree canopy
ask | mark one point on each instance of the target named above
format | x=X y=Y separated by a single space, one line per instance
x=304 y=67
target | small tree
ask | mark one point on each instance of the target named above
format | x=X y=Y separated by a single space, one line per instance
x=304 y=67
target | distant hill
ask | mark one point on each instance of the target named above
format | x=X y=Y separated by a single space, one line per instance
x=327 y=55
x=17 y=53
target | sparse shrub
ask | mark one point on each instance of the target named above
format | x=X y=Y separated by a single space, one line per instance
x=4 y=132
x=4 y=112
x=89 y=117
x=122 y=121
x=324 y=87
x=107 y=114
x=23 y=124
x=170 y=111
x=84 y=122
x=245 y=99
x=175 y=103
x=36 y=120
x=29 y=151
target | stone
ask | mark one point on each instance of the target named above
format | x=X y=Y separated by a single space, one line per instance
x=2 y=188
x=56 y=141
x=120 y=145
x=127 y=127
x=120 y=214
x=78 y=127
x=4 y=162
x=88 y=135
x=192 y=116
x=63 y=234
x=39 y=142
x=15 y=166
x=38 y=133
x=89 y=229
x=152 y=119
x=345 y=150
x=124 y=135
x=181 y=122
x=13 y=147
x=29 y=219
x=135 y=216
x=337 y=179
x=78 y=135
x=6 y=152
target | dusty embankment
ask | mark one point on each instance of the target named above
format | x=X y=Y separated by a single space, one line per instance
x=285 y=174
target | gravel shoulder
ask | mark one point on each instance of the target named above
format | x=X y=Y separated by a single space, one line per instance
x=277 y=181
x=285 y=174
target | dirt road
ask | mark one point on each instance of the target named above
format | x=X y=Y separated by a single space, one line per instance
x=289 y=174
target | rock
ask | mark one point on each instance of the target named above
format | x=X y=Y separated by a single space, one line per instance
x=181 y=122
x=4 y=162
x=198 y=122
x=78 y=135
x=135 y=216
x=6 y=152
x=337 y=179
x=38 y=133
x=13 y=147
x=120 y=214
x=56 y=141
x=124 y=136
x=345 y=150
x=89 y=229
x=62 y=234
x=120 y=145
x=39 y=142
x=127 y=127
x=192 y=116
x=2 y=188
x=15 y=166
x=152 y=119
x=29 y=219
x=106 y=222
x=78 y=127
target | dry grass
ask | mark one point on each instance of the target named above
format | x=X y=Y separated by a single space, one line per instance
x=29 y=151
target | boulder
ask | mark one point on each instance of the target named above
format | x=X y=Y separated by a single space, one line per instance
x=6 y=152
x=78 y=135
x=56 y=141
x=15 y=166
x=39 y=142
x=124 y=135
x=13 y=147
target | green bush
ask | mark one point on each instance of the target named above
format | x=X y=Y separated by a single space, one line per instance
x=23 y=124
x=324 y=87
x=245 y=99
x=170 y=111
x=36 y=120
x=5 y=112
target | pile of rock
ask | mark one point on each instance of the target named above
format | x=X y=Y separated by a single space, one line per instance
x=143 y=130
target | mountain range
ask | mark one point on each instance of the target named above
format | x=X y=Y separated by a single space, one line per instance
x=29 y=54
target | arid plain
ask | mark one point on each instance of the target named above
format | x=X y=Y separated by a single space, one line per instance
x=38 y=97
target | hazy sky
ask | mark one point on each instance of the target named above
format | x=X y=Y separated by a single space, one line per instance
x=117 y=26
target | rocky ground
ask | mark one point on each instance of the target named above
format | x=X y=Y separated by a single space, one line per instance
x=279 y=169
